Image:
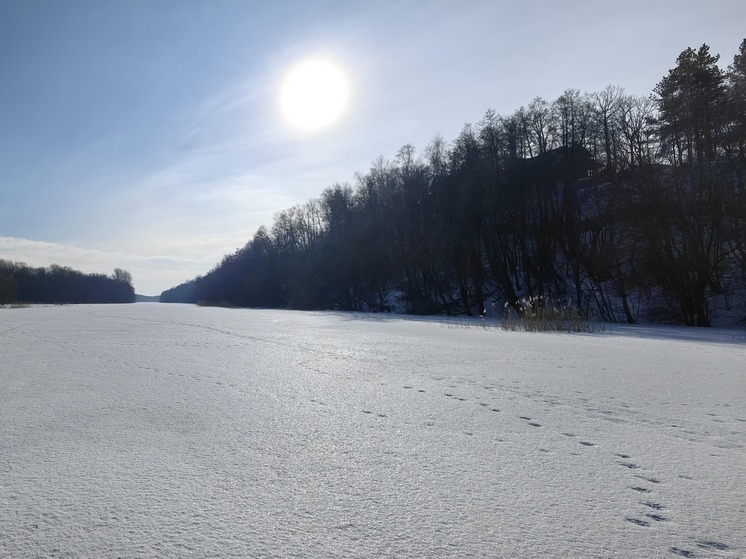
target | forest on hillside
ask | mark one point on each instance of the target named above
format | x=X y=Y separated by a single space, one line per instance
x=625 y=207
x=60 y=284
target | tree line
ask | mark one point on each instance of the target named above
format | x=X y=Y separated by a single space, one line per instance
x=60 y=284
x=624 y=206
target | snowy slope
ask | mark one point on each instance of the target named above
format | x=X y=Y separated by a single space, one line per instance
x=178 y=431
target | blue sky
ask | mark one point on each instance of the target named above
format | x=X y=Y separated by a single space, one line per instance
x=146 y=134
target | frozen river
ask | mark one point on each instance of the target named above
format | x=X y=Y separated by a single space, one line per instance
x=176 y=431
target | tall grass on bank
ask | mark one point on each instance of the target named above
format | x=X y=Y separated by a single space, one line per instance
x=539 y=315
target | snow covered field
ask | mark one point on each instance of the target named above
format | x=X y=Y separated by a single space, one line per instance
x=175 y=431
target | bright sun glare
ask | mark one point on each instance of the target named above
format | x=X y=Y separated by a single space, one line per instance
x=314 y=94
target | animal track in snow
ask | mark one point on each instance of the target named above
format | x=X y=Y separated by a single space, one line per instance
x=368 y=412
x=712 y=545
x=649 y=514
x=650 y=479
x=681 y=552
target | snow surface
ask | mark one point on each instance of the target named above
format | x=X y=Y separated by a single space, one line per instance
x=178 y=431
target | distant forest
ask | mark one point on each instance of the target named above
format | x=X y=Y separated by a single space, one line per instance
x=58 y=284
x=630 y=208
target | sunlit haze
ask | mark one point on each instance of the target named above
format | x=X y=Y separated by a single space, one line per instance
x=159 y=136
x=314 y=94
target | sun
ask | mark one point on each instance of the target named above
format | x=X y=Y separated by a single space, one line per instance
x=314 y=95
